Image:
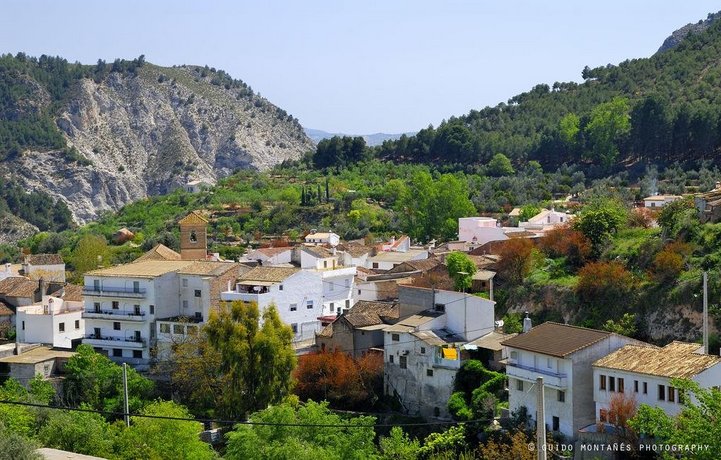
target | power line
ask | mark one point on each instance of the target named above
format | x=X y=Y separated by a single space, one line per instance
x=240 y=422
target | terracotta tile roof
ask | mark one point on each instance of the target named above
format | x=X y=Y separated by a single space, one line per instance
x=208 y=268
x=367 y=313
x=44 y=259
x=72 y=293
x=269 y=274
x=159 y=252
x=270 y=252
x=355 y=250
x=142 y=269
x=18 y=287
x=318 y=251
x=5 y=310
x=677 y=359
x=556 y=339
x=194 y=218
x=422 y=265
x=326 y=331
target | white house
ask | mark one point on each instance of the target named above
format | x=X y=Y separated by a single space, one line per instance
x=644 y=373
x=49 y=267
x=393 y=253
x=195 y=186
x=53 y=321
x=323 y=238
x=271 y=256
x=9 y=270
x=481 y=230
x=563 y=356
x=659 y=201
x=422 y=352
x=546 y=220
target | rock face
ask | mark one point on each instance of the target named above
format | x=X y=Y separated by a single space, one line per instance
x=679 y=35
x=149 y=133
x=13 y=229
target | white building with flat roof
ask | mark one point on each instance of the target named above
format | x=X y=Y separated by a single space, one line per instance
x=53 y=321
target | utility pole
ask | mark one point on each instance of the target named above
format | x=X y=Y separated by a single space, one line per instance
x=705 y=313
x=540 y=420
x=126 y=411
x=465 y=308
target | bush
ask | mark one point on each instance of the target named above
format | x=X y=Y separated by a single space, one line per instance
x=458 y=407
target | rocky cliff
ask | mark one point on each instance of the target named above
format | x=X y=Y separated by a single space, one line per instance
x=679 y=35
x=146 y=132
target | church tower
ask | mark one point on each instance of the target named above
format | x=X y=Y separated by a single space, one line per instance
x=193 y=237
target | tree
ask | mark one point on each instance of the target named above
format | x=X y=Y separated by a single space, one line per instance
x=163 y=439
x=398 y=446
x=528 y=211
x=81 y=432
x=599 y=221
x=461 y=269
x=667 y=265
x=257 y=359
x=14 y=446
x=512 y=323
x=93 y=379
x=568 y=129
x=331 y=441
x=90 y=252
x=609 y=123
x=564 y=241
x=500 y=165
x=451 y=442
x=626 y=325
x=678 y=218
x=621 y=408
x=512 y=446
x=516 y=257
x=604 y=287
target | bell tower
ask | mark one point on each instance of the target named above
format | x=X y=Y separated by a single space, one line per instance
x=193 y=237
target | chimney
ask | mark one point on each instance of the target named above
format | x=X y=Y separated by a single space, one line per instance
x=8 y=269
x=527 y=325
x=38 y=297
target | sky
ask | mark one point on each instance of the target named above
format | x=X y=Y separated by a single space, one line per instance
x=358 y=67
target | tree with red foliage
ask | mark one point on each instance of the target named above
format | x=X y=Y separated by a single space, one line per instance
x=606 y=288
x=621 y=408
x=516 y=257
x=336 y=377
x=564 y=241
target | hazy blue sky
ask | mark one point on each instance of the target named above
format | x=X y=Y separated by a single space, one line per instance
x=362 y=66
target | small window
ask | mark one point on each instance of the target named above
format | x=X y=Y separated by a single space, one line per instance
x=671 y=394
x=390 y=359
x=294 y=327
x=193 y=237
x=359 y=292
x=293 y=307
x=347 y=282
x=661 y=393
x=136 y=309
x=116 y=305
x=645 y=388
x=117 y=352
x=423 y=350
x=185 y=282
x=611 y=383
x=280 y=288
x=61 y=327
x=635 y=386
x=116 y=326
x=620 y=385
x=23 y=325
x=395 y=337
x=514 y=355
x=178 y=329
x=77 y=324
x=549 y=364
x=602 y=382
x=561 y=396
x=136 y=286
x=519 y=384
x=556 y=423
x=96 y=306
x=309 y=305
x=375 y=264
x=325 y=265
x=347 y=304
x=197 y=293
x=332 y=307
x=192 y=330
x=185 y=304
x=138 y=354
x=164 y=328
x=152 y=309
x=440 y=307
x=429 y=372
x=403 y=362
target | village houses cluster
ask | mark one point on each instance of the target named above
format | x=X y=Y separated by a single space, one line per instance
x=390 y=298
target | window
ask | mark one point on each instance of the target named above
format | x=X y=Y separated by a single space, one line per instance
x=390 y=359
x=556 y=423
x=332 y=307
x=375 y=264
x=429 y=372
x=136 y=286
x=347 y=304
x=193 y=237
x=423 y=350
x=280 y=288
x=403 y=362
x=152 y=309
x=359 y=292
x=347 y=282
x=611 y=383
x=185 y=282
x=164 y=328
x=138 y=354
x=96 y=306
x=395 y=337
x=602 y=382
x=309 y=305
x=439 y=307
x=136 y=309
x=185 y=304
x=77 y=324
x=23 y=325
x=116 y=326
x=61 y=327
x=635 y=386
x=620 y=385
x=294 y=326
x=549 y=364
x=645 y=388
x=661 y=393
x=192 y=330
x=561 y=396
x=671 y=394
x=116 y=304
x=197 y=293
x=519 y=384
x=178 y=329
x=293 y=307
x=514 y=355
x=325 y=265
x=96 y=285
x=96 y=333
x=117 y=352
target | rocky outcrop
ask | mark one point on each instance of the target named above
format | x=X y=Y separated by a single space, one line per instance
x=14 y=229
x=149 y=133
x=679 y=35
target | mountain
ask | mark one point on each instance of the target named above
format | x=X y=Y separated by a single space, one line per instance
x=98 y=137
x=658 y=110
x=680 y=34
x=372 y=140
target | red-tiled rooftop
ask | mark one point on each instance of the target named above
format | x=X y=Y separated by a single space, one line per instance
x=556 y=339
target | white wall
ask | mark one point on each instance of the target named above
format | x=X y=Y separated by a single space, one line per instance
x=468 y=315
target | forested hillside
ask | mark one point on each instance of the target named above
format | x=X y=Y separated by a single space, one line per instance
x=663 y=109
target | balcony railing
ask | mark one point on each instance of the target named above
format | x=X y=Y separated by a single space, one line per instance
x=513 y=369
x=114 y=292
x=114 y=314
x=101 y=340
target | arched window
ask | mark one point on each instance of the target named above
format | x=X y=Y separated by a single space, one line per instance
x=193 y=237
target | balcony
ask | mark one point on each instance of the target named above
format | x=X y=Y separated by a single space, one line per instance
x=232 y=296
x=104 y=291
x=114 y=315
x=528 y=373
x=446 y=363
x=114 y=342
